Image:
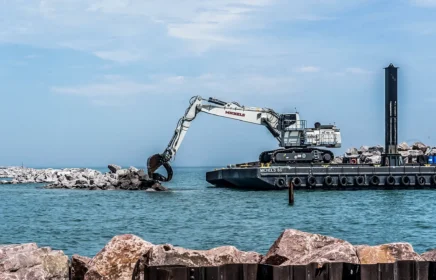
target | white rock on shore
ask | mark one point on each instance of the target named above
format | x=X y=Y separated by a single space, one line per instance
x=82 y=178
x=373 y=154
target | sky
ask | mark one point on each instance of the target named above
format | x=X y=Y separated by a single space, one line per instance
x=88 y=83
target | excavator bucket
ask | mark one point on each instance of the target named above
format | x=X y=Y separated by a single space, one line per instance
x=153 y=164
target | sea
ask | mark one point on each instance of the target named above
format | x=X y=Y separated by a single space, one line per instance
x=197 y=215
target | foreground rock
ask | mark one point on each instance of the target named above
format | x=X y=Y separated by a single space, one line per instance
x=387 y=253
x=429 y=256
x=27 y=261
x=79 y=267
x=294 y=247
x=372 y=155
x=170 y=255
x=117 y=259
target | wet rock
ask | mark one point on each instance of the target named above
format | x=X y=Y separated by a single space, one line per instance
x=158 y=187
x=294 y=247
x=27 y=261
x=386 y=253
x=118 y=258
x=403 y=147
x=429 y=256
x=170 y=255
x=79 y=267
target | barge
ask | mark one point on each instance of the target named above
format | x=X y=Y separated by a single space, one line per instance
x=391 y=173
x=331 y=177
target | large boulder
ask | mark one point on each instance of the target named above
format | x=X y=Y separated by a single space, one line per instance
x=403 y=147
x=386 y=253
x=294 y=247
x=373 y=159
x=27 y=261
x=170 y=255
x=376 y=150
x=114 y=168
x=429 y=256
x=364 y=149
x=118 y=258
x=419 y=146
x=79 y=267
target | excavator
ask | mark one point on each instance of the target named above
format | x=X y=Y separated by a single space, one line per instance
x=297 y=143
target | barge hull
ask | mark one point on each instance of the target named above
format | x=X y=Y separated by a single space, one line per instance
x=325 y=177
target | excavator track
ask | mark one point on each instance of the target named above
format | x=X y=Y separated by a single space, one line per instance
x=297 y=155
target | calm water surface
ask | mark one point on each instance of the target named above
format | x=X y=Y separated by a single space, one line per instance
x=199 y=216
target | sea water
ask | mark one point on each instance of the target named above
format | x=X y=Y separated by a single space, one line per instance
x=199 y=216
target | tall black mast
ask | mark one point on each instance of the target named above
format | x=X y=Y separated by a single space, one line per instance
x=391 y=156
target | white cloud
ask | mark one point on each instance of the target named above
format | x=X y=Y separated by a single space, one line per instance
x=113 y=87
x=356 y=70
x=131 y=30
x=118 y=56
x=424 y=3
x=309 y=69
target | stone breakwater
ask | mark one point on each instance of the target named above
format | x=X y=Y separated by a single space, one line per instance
x=82 y=178
x=372 y=155
x=125 y=256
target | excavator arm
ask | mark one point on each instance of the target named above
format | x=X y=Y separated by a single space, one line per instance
x=232 y=110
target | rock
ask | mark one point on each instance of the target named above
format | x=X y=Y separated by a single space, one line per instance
x=419 y=146
x=79 y=267
x=294 y=247
x=416 y=153
x=170 y=255
x=122 y=172
x=373 y=159
x=352 y=151
x=386 y=253
x=27 y=261
x=117 y=259
x=338 y=160
x=376 y=150
x=114 y=168
x=429 y=256
x=431 y=151
x=403 y=147
x=133 y=169
x=158 y=187
x=364 y=149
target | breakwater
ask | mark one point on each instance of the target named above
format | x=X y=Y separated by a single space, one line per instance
x=82 y=178
x=129 y=257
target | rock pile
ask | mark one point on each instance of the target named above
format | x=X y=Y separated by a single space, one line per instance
x=125 y=257
x=373 y=154
x=83 y=178
x=27 y=261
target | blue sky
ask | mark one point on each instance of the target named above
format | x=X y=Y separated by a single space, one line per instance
x=87 y=83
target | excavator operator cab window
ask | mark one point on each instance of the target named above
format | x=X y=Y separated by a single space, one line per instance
x=287 y=120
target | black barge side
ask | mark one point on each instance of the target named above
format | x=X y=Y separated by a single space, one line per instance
x=332 y=177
